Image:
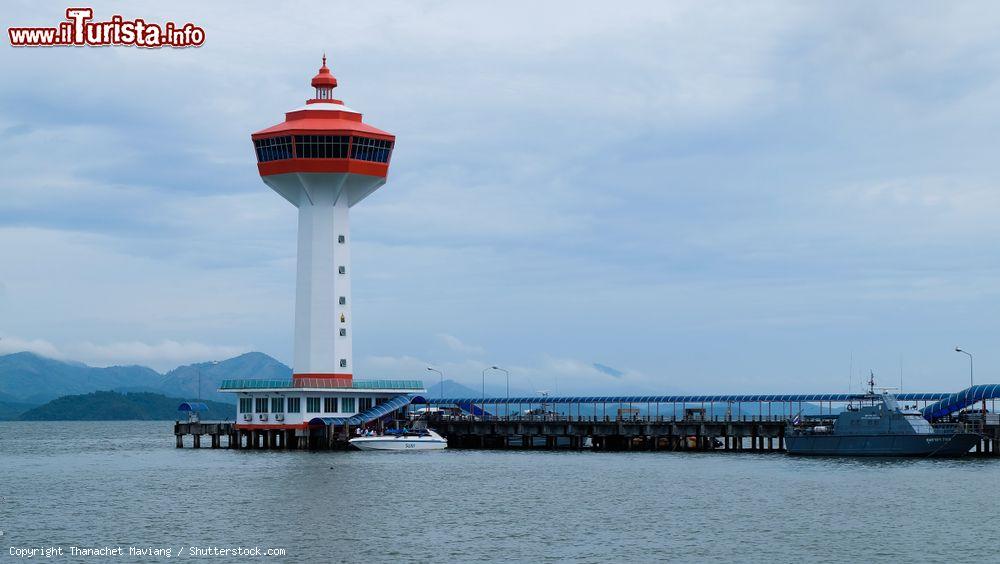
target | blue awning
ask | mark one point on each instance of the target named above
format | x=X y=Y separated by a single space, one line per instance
x=961 y=400
x=736 y=398
x=365 y=416
x=195 y=406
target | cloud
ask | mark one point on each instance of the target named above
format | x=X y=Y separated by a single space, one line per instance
x=554 y=374
x=455 y=344
x=41 y=347
x=161 y=356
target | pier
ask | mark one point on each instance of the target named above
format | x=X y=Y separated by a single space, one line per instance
x=197 y=429
x=729 y=424
x=749 y=434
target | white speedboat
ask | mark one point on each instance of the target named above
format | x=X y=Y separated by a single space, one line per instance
x=418 y=439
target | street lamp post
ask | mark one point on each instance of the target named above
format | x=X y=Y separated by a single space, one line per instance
x=441 y=374
x=507 y=381
x=971 y=381
x=213 y=363
x=506 y=376
x=506 y=373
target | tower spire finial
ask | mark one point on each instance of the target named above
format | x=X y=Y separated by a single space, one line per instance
x=324 y=82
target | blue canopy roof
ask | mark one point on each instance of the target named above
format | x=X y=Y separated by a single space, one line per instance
x=367 y=415
x=676 y=399
x=955 y=402
x=192 y=406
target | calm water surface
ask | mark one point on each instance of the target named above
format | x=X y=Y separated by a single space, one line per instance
x=121 y=484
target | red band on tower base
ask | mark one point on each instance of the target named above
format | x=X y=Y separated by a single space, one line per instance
x=346 y=376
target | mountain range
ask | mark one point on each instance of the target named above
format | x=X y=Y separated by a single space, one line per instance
x=29 y=379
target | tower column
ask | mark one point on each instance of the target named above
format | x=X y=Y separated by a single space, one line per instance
x=323 y=279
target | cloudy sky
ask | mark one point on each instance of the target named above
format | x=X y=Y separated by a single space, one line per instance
x=713 y=197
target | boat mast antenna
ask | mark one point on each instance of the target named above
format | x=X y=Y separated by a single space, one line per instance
x=871 y=382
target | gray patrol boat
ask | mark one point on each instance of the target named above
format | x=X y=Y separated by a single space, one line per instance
x=877 y=426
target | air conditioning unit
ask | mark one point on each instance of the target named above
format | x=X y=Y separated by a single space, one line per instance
x=279 y=416
x=263 y=416
x=247 y=417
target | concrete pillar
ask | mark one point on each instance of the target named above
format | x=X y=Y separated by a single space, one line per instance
x=180 y=441
x=197 y=441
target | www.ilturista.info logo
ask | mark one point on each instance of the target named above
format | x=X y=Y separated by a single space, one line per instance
x=79 y=30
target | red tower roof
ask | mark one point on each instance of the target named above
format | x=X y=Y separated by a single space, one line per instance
x=325 y=77
x=323 y=136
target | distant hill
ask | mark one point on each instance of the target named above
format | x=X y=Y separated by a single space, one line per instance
x=183 y=380
x=113 y=406
x=27 y=378
x=10 y=411
x=452 y=389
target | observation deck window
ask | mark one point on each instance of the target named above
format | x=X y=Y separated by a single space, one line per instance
x=374 y=150
x=273 y=149
x=321 y=146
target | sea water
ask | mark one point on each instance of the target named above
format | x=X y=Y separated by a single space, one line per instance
x=107 y=486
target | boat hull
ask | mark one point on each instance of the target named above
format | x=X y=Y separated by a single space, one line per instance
x=398 y=443
x=936 y=445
